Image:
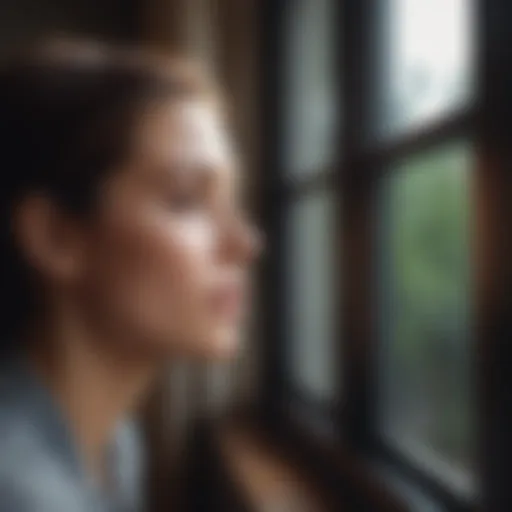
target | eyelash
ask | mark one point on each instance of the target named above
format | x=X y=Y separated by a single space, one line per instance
x=186 y=201
x=195 y=198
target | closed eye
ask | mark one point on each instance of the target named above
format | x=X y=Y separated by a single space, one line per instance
x=190 y=190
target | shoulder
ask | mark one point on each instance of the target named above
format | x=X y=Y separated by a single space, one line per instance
x=31 y=477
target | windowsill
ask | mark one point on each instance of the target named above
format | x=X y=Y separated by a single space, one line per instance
x=425 y=481
x=460 y=481
x=414 y=498
x=271 y=477
x=264 y=475
x=268 y=479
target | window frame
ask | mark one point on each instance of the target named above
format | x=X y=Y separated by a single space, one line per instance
x=355 y=181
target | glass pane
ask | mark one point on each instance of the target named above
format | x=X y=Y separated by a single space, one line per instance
x=310 y=86
x=311 y=288
x=426 y=312
x=427 y=63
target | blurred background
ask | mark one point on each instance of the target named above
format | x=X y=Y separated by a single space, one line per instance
x=375 y=134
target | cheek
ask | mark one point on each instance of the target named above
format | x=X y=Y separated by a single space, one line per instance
x=154 y=274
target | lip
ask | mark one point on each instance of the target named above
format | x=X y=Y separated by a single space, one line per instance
x=228 y=300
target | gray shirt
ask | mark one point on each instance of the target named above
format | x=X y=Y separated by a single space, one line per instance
x=40 y=469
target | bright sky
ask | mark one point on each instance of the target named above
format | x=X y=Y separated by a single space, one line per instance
x=436 y=35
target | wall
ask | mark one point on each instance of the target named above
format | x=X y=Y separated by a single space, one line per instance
x=22 y=20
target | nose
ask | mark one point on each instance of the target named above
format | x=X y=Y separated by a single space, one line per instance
x=245 y=241
x=255 y=242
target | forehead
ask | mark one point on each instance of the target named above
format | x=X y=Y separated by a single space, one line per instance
x=190 y=132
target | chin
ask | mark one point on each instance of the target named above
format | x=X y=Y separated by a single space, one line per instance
x=219 y=344
x=222 y=346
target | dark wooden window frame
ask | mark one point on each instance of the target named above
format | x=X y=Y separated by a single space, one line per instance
x=355 y=181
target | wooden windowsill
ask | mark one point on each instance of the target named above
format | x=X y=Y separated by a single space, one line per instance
x=266 y=478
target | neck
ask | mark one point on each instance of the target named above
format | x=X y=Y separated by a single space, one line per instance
x=95 y=387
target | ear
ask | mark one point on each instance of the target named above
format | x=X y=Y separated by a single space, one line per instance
x=50 y=240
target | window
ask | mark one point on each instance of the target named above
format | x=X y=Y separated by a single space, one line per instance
x=310 y=239
x=387 y=332
x=311 y=296
x=311 y=94
x=427 y=403
x=427 y=62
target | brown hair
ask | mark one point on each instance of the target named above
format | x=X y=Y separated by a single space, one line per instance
x=67 y=111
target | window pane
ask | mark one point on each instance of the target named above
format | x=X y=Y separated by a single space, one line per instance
x=427 y=63
x=310 y=86
x=426 y=312
x=311 y=288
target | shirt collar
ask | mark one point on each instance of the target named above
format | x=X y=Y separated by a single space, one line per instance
x=30 y=396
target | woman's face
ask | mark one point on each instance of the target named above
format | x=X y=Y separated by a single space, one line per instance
x=168 y=252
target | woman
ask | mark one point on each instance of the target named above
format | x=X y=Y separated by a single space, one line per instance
x=123 y=245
